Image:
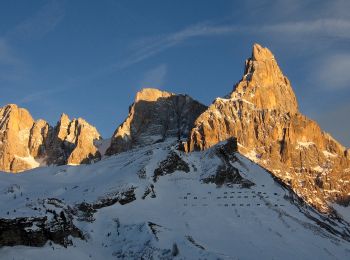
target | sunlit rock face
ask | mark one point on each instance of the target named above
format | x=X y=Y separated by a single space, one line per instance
x=154 y=116
x=264 y=84
x=72 y=142
x=84 y=149
x=27 y=144
x=15 y=130
x=262 y=113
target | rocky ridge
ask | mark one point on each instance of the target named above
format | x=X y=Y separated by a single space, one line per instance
x=262 y=113
x=26 y=144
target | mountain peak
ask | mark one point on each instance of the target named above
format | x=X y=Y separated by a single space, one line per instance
x=64 y=117
x=261 y=53
x=15 y=126
x=77 y=137
x=17 y=112
x=13 y=106
x=264 y=84
x=151 y=94
x=262 y=113
x=154 y=116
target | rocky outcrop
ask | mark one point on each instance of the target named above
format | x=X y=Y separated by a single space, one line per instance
x=72 y=142
x=26 y=144
x=37 y=231
x=38 y=137
x=154 y=116
x=171 y=164
x=262 y=113
x=15 y=134
x=226 y=174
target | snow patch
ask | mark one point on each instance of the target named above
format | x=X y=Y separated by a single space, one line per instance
x=301 y=145
x=329 y=154
x=318 y=169
x=23 y=135
x=29 y=160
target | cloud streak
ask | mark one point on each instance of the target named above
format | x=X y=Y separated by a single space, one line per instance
x=35 y=96
x=39 y=24
x=148 y=47
x=332 y=72
x=12 y=68
x=155 y=77
x=332 y=28
x=45 y=20
x=333 y=122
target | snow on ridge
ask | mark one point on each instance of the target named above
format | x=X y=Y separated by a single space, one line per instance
x=303 y=144
x=329 y=154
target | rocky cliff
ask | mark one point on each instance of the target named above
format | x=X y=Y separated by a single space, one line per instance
x=72 y=142
x=262 y=113
x=154 y=116
x=16 y=146
x=26 y=144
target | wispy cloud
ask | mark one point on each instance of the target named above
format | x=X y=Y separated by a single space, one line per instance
x=6 y=54
x=332 y=71
x=148 y=47
x=39 y=95
x=12 y=68
x=337 y=28
x=155 y=77
x=39 y=24
x=333 y=122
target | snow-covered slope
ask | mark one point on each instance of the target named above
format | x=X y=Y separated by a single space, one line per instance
x=158 y=202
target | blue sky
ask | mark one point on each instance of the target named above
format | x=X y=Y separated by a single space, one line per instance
x=88 y=58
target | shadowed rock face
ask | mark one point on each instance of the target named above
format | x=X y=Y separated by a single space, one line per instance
x=154 y=116
x=25 y=143
x=262 y=113
x=226 y=174
x=171 y=164
x=36 y=232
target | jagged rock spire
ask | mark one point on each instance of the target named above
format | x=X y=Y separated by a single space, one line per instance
x=72 y=142
x=264 y=84
x=262 y=113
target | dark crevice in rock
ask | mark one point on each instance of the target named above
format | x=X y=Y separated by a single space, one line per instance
x=193 y=242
